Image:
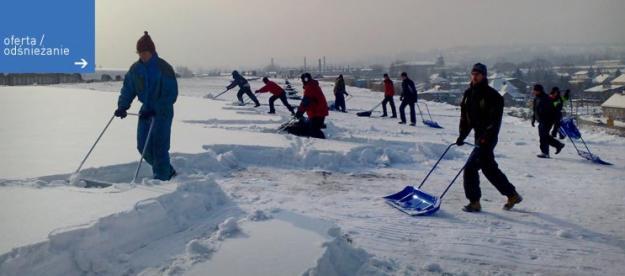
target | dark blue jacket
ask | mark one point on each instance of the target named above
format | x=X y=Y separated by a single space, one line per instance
x=239 y=81
x=409 y=90
x=154 y=83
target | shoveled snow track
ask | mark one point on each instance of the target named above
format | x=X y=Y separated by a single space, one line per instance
x=497 y=241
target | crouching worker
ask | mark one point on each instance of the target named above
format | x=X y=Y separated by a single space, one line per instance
x=153 y=81
x=481 y=110
x=314 y=104
x=278 y=93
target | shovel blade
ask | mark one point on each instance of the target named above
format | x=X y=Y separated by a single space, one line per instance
x=414 y=202
x=364 y=114
x=432 y=124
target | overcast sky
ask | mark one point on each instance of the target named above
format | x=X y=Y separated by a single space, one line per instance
x=246 y=33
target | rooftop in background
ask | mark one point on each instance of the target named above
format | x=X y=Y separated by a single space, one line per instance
x=615 y=101
x=604 y=88
x=619 y=80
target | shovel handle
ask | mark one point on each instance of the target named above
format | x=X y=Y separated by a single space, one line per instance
x=145 y=147
x=94 y=144
x=439 y=160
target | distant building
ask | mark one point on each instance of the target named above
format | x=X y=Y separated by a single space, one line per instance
x=417 y=70
x=40 y=79
x=514 y=91
x=437 y=80
x=601 y=93
x=614 y=107
x=620 y=80
x=105 y=74
x=601 y=79
x=450 y=96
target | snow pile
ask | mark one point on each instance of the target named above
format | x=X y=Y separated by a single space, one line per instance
x=341 y=258
x=300 y=156
x=117 y=244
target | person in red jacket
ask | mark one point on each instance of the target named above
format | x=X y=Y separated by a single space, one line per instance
x=277 y=93
x=389 y=92
x=314 y=104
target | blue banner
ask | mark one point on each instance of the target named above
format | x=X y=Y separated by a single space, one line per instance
x=44 y=36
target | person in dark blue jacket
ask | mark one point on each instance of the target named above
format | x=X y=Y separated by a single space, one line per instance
x=408 y=98
x=244 y=88
x=153 y=81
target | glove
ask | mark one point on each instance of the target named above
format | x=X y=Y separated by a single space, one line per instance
x=256 y=92
x=121 y=113
x=401 y=98
x=147 y=114
x=460 y=141
x=299 y=114
x=533 y=123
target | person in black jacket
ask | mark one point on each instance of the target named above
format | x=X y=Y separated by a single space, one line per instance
x=339 y=94
x=545 y=113
x=408 y=98
x=244 y=88
x=481 y=110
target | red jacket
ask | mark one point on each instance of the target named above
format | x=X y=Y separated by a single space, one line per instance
x=272 y=87
x=314 y=102
x=389 y=88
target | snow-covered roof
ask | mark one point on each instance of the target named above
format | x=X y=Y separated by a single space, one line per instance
x=619 y=80
x=616 y=101
x=511 y=90
x=604 y=88
x=601 y=78
x=497 y=83
x=497 y=76
x=436 y=90
x=582 y=72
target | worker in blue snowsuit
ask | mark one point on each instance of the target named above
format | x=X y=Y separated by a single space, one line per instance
x=153 y=81
x=244 y=88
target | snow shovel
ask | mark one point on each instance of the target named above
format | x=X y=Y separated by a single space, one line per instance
x=416 y=202
x=92 y=183
x=210 y=96
x=368 y=113
x=569 y=129
x=284 y=127
x=431 y=123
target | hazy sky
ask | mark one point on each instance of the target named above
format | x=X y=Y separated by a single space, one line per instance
x=246 y=33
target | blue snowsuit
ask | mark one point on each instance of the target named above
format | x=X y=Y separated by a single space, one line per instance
x=154 y=83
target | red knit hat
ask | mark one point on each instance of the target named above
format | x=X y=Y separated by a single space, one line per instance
x=145 y=43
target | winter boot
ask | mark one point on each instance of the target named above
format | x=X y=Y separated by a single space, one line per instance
x=402 y=123
x=413 y=124
x=559 y=149
x=512 y=200
x=257 y=105
x=543 y=155
x=384 y=115
x=473 y=207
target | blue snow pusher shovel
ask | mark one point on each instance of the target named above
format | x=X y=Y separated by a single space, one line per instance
x=431 y=123
x=568 y=128
x=416 y=202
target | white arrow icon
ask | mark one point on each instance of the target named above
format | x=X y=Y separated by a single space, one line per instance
x=83 y=63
